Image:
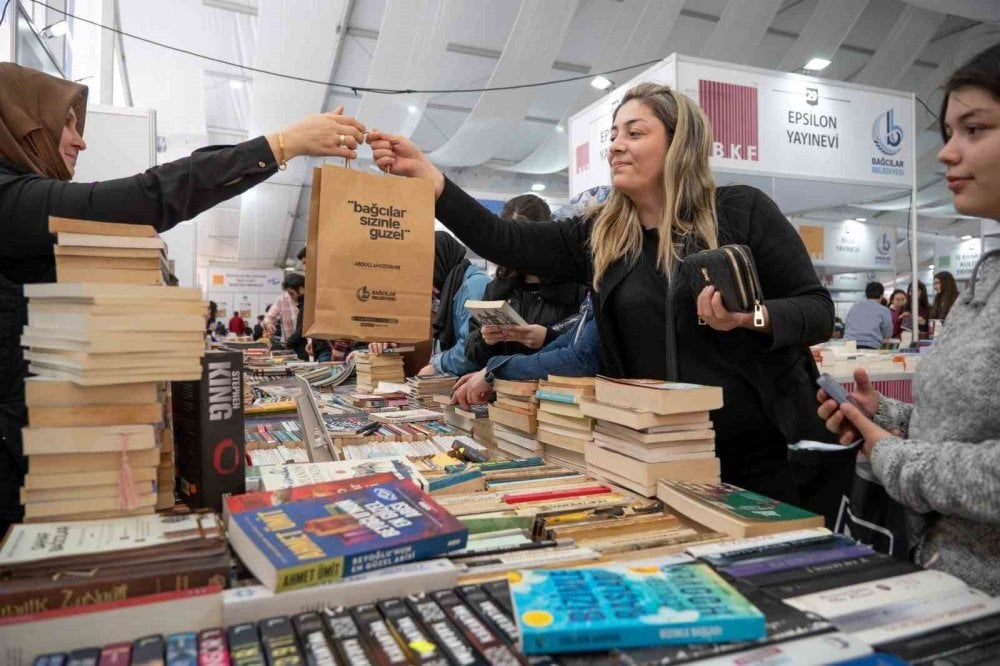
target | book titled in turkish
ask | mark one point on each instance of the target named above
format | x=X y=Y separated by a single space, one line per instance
x=314 y=541
x=733 y=510
x=618 y=606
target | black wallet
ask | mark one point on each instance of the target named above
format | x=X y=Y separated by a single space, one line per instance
x=730 y=269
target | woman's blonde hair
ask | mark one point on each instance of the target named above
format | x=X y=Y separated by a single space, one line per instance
x=688 y=188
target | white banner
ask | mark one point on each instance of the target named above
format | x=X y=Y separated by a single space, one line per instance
x=960 y=259
x=853 y=281
x=849 y=244
x=266 y=281
x=768 y=123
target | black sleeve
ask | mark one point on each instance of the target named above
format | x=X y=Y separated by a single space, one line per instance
x=557 y=249
x=296 y=337
x=800 y=308
x=162 y=196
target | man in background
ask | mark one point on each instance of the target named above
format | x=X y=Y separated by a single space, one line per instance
x=237 y=325
x=281 y=316
x=258 y=329
x=294 y=286
x=869 y=323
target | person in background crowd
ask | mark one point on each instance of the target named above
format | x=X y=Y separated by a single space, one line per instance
x=281 y=317
x=237 y=325
x=321 y=350
x=897 y=305
x=923 y=310
x=940 y=456
x=213 y=313
x=838 y=328
x=945 y=294
x=258 y=328
x=664 y=205
x=575 y=353
x=220 y=331
x=294 y=284
x=869 y=323
x=542 y=303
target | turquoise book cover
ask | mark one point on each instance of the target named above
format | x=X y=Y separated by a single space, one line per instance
x=620 y=606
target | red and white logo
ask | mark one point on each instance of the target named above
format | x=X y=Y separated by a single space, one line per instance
x=583 y=157
x=732 y=110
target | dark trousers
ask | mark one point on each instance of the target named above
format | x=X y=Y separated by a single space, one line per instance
x=13 y=417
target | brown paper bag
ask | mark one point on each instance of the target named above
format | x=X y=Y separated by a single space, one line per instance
x=370 y=256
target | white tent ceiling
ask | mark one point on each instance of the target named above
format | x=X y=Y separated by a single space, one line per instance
x=499 y=143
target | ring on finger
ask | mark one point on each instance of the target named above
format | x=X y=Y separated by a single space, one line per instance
x=341 y=140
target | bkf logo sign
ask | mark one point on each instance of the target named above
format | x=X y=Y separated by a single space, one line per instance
x=363 y=294
x=583 y=157
x=887 y=135
x=883 y=244
x=732 y=110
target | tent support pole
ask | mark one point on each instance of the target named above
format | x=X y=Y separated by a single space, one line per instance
x=914 y=256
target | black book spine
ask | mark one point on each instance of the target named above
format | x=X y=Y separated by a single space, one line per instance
x=280 y=646
x=84 y=657
x=480 y=636
x=814 y=570
x=312 y=637
x=149 y=651
x=347 y=639
x=244 y=645
x=946 y=641
x=54 y=659
x=417 y=643
x=385 y=648
x=450 y=639
x=212 y=648
x=491 y=612
x=500 y=591
x=841 y=579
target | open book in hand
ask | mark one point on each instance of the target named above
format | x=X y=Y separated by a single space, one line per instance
x=494 y=313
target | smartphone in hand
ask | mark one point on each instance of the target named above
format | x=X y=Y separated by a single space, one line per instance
x=834 y=389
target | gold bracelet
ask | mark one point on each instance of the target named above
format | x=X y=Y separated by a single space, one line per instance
x=282 y=164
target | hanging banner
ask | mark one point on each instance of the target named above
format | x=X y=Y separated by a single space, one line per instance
x=768 y=123
x=853 y=281
x=255 y=281
x=849 y=244
x=961 y=259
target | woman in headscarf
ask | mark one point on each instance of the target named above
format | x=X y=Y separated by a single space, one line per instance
x=42 y=121
x=456 y=280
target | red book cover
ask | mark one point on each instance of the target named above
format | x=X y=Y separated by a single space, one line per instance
x=269 y=498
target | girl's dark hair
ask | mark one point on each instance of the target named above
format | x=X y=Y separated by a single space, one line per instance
x=523 y=207
x=898 y=291
x=922 y=301
x=981 y=71
x=947 y=297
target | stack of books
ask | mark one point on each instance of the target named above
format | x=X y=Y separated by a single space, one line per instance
x=375 y=368
x=89 y=445
x=425 y=387
x=110 y=253
x=514 y=416
x=465 y=419
x=71 y=584
x=96 y=334
x=564 y=429
x=648 y=430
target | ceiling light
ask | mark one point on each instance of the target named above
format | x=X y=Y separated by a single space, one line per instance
x=967 y=237
x=538 y=187
x=930 y=267
x=817 y=64
x=861 y=219
x=235 y=84
x=601 y=83
x=57 y=29
x=560 y=129
x=412 y=108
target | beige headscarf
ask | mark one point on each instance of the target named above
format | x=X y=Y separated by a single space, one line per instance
x=33 y=108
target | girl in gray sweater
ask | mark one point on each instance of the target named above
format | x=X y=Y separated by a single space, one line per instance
x=940 y=456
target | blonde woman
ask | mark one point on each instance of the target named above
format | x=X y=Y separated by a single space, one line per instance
x=663 y=206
